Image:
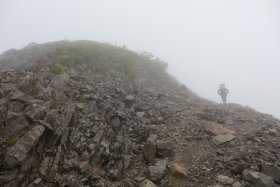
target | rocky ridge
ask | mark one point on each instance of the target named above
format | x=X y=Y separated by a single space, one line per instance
x=75 y=128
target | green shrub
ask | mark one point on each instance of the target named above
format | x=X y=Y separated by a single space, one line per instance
x=102 y=69
x=64 y=60
x=12 y=141
x=128 y=79
x=55 y=69
x=101 y=58
x=34 y=90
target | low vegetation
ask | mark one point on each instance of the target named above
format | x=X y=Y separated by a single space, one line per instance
x=102 y=58
x=12 y=141
x=56 y=69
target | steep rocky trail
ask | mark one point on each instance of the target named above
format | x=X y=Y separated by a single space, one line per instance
x=74 y=127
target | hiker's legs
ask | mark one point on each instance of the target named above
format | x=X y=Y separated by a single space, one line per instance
x=224 y=99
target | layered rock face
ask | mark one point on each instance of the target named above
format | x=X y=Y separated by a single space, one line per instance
x=62 y=125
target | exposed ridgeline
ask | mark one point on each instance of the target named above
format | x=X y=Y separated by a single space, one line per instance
x=89 y=114
x=87 y=58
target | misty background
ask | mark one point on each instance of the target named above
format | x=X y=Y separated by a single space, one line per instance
x=236 y=42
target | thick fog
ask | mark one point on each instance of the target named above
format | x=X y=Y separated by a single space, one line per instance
x=205 y=42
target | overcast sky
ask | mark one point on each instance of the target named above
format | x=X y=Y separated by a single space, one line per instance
x=205 y=42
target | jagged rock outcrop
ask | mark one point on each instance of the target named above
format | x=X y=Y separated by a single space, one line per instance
x=122 y=122
x=17 y=153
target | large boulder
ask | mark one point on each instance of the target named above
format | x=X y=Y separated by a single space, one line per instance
x=15 y=124
x=19 y=151
x=272 y=171
x=64 y=121
x=29 y=85
x=218 y=129
x=258 y=179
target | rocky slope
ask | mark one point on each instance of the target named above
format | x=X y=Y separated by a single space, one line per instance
x=89 y=114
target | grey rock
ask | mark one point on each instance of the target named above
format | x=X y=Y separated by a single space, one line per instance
x=114 y=174
x=164 y=148
x=272 y=171
x=128 y=183
x=156 y=172
x=140 y=179
x=129 y=98
x=19 y=151
x=140 y=114
x=96 y=140
x=84 y=166
x=126 y=161
x=220 y=139
x=45 y=165
x=64 y=121
x=116 y=123
x=178 y=170
x=100 y=183
x=147 y=183
x=37 y=181
x=149 y=148
x=15 y=124
x=225 y=179
x=258 y=179
x=5 y=179
x=237 y=184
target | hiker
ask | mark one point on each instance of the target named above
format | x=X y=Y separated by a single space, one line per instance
x=223 y=91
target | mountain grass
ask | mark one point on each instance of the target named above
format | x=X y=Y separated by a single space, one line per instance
x=101 y=58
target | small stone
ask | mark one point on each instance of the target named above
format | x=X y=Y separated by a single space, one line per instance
x=216 y=185
x=37 y=181
x=163 y=145
x=116 y=123
x=225 y=179
x=179 y=171
x=149 y=148
x=45 y=164
x=128 y=183
x=139 y=179
x=273 y=132
x=222 y=139
x=126 y=161
x=140 y=114
x=84 y=166
x=80 y=106
x=237 y=184
x=164 y=148
x=152 y=138
x=147 y=183
x=113 y=174
x=129 y=98
x=155 y=173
